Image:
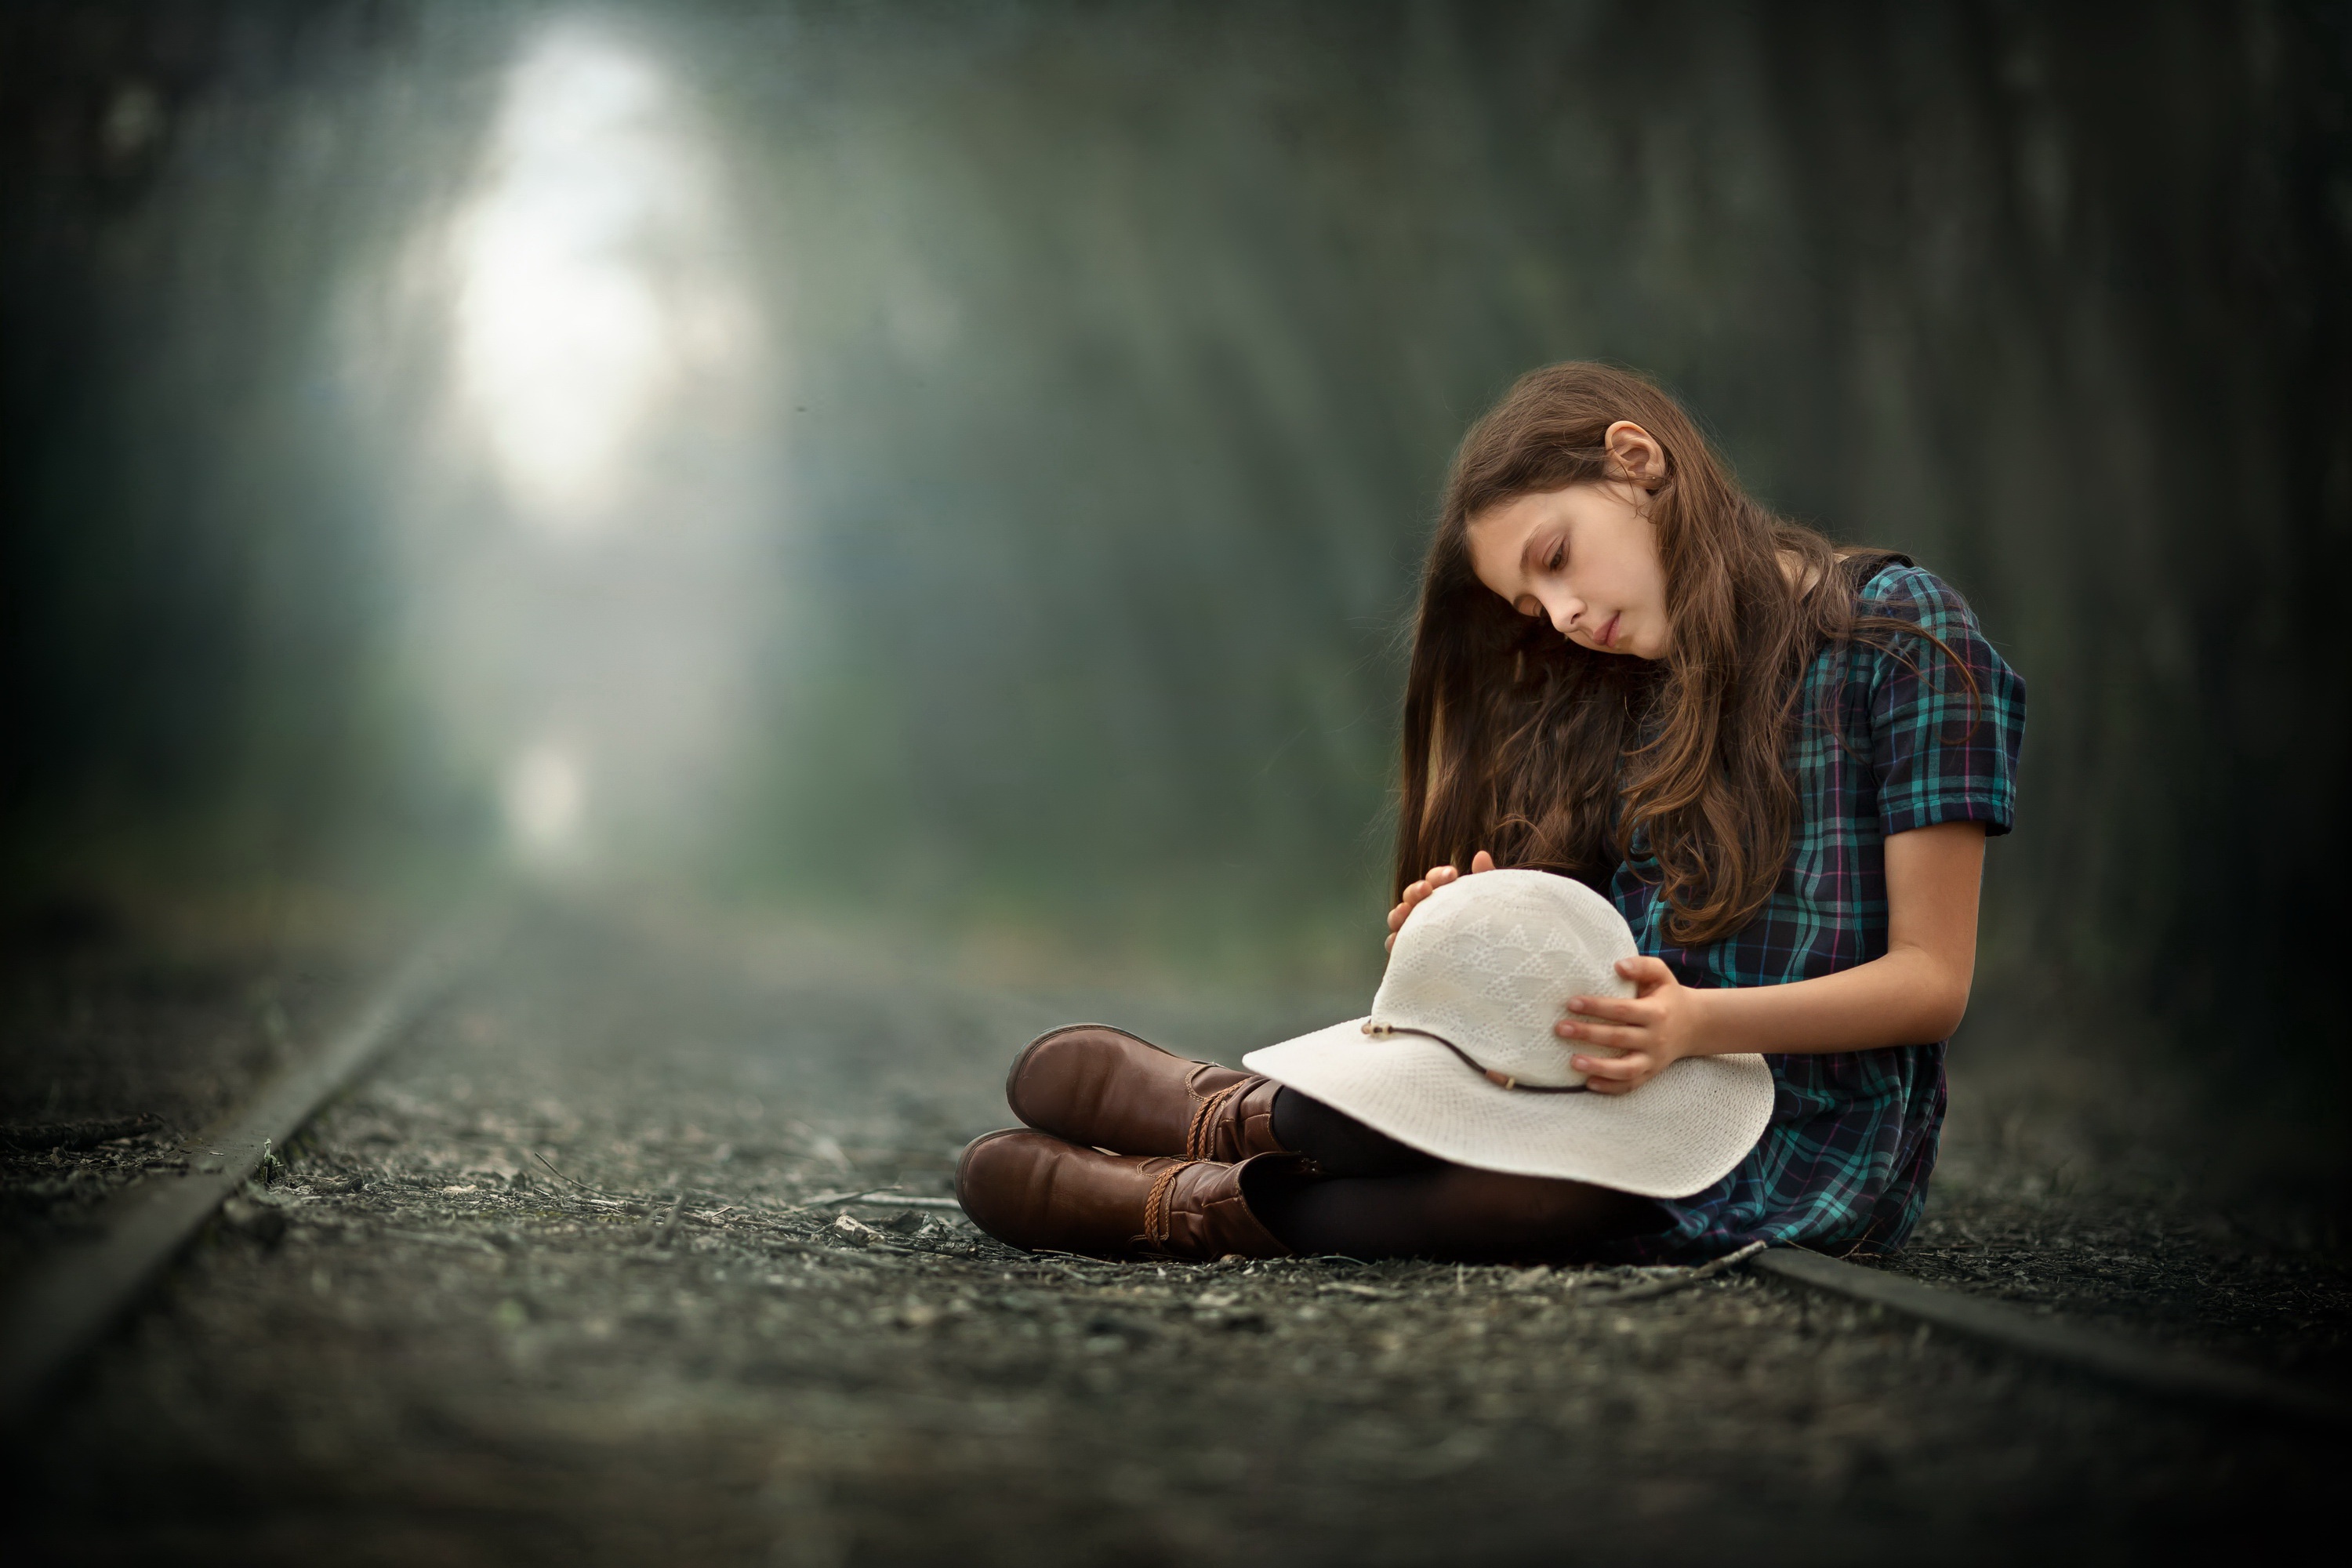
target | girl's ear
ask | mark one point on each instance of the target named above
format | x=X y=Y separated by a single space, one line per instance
x=1636 y=453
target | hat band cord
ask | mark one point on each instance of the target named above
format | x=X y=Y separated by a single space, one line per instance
x=1489 y=1074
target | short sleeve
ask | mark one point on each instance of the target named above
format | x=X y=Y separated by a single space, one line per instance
x=1945 y=727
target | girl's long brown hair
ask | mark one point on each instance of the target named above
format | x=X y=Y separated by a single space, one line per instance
x=1552 y=756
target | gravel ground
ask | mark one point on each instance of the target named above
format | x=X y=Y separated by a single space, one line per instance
x=125 y=1035
x=568 y=1279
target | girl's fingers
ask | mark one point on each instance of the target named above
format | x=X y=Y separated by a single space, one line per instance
x=1439 y=876
x=1614 y=1068
x=1645 y=971
x=1622 y=1009
x=1413 y=893
x=1606 y=1075
x=1612 y=1035
x=1617 y=1069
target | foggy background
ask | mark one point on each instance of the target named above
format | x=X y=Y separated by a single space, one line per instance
x=962 y=467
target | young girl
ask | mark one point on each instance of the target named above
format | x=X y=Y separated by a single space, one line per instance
x=1780 y=762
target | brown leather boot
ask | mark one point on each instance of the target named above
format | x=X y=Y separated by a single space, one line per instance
x=1106 y=1089
x=1036 y=1192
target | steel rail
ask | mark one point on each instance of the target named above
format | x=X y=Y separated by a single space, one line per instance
x=73 y=1297
x=2176 y=1373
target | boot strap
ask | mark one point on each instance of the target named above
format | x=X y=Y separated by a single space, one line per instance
x=1156 y=1225
x=1203 y=1132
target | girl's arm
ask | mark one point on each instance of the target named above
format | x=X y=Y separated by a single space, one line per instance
x=1916 y=993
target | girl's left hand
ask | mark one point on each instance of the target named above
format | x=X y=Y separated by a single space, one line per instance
x=1439 y=876
x=1654 y=1028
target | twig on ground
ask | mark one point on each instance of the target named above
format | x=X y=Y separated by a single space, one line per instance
x=1369 y=1292
x=880 y=1196
x=1684 y=1281
x=668 y=1221
x=617 y=1197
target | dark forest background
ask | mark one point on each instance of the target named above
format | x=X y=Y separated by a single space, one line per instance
x=1113 y=356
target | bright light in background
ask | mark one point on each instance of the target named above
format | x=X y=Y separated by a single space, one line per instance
x=579 y=305
x=607 y=372
x=544 y=794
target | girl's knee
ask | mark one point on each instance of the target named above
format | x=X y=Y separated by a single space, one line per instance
x=1339 y=1143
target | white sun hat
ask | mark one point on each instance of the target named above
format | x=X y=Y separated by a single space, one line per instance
x=1458 y=1058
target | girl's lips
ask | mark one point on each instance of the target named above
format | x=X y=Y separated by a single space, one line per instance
x=1607 y=635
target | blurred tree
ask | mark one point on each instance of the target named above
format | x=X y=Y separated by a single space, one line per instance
x=1123 y=349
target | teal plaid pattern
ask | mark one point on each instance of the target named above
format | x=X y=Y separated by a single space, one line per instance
x=1888 y=739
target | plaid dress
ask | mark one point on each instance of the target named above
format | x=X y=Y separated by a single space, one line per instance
x=1886 y=742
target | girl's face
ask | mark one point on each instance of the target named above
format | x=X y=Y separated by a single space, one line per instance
x=1585 y=558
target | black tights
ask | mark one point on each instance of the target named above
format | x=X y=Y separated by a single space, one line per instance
x=1375 y=1197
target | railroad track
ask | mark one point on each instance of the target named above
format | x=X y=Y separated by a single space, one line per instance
x=69 y=1301
x=2151 y=1369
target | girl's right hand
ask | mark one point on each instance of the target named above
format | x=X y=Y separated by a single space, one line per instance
x=1438 y=876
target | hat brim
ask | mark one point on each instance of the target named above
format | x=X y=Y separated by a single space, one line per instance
x=1678 y=1134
